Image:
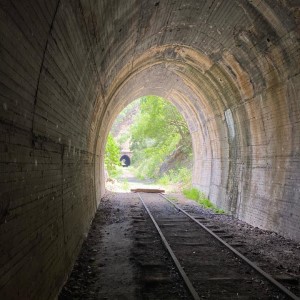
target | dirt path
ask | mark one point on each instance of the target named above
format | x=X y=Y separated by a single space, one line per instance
x=127 y=181
x=103 y=269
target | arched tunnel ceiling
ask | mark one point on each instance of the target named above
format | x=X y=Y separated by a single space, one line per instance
x=219 y=60
x=68 y=67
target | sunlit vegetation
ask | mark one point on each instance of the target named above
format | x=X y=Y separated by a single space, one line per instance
x=180 y=175
x=161 y=142
x=112 y=157
x=200 y=198
x=159 y=139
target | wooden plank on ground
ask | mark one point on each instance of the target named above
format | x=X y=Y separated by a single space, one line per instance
x=147 y=190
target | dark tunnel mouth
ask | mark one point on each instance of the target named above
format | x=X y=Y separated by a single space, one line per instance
x=125 y=160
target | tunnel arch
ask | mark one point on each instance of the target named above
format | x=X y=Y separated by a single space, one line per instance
x=166 y=72
x=180 y=101
x=68 y=67
x=126 y=159
x=184 y=108
x=225 y=85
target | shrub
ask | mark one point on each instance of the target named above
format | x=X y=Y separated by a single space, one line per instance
x=192 y=193
x=200 y=198
x=181 y=175
x=112 y=157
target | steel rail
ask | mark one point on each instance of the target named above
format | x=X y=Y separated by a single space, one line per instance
x=172 y=254
x=282 y=288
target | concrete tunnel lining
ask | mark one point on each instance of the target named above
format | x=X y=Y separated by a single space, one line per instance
x=164 y=88
x=162 y=77
x=67 y=68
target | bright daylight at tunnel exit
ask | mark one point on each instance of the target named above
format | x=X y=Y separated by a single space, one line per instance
x=149 y=149
x=149 y=146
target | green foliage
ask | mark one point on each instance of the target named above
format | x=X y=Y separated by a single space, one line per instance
x=200 y=198
x=181 y=175
x=125 y=185
x=192 y=193
x=112 y=157
x=158 y=131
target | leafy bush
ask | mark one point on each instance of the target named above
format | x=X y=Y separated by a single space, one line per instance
x=200 y=198
x=192 y=193
x=112 y=157
x=158 y=131
x=182 y=175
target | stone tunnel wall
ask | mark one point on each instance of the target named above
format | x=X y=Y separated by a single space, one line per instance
x=68 y=67
x=49 y=86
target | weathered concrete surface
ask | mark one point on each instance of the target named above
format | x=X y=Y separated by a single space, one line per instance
x=68 y=67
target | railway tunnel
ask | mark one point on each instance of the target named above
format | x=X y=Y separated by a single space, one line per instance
x=125 y=160
x=69 y=67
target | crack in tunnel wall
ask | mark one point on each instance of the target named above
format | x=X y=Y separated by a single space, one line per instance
x=232 y=69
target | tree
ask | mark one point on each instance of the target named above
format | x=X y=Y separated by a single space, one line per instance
x=160 y=130
x=112 y=156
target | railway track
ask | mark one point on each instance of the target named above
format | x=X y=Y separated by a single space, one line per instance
x=209 y=267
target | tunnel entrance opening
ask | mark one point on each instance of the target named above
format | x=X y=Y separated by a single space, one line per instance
x=155 y=146
x=125 y=160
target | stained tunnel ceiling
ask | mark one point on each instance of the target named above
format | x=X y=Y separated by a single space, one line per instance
x=69 y=67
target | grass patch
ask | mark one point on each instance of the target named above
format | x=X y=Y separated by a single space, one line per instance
x=181 y=176
x=200 y=198
x=125 y=185
x=192 y=193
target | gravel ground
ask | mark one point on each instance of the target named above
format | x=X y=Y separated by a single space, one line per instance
x=122 y=257
x=275 y=254
x=110 y=266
